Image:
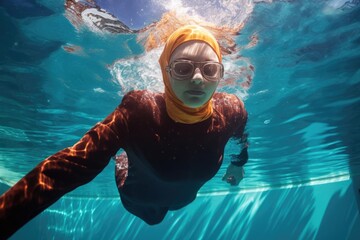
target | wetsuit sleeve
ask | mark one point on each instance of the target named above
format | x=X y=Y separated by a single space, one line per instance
x=241 y=135
x=237 y=120
x=62 y=173
x=241 y=159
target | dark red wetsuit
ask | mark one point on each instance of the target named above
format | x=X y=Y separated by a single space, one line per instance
x=168 y=161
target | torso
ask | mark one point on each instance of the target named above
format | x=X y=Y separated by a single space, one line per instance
x=170 y=160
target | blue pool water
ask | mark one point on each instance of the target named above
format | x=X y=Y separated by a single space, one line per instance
x=57 y=81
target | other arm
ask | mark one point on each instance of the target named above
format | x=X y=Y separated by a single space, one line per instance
x=235 y=171
x=238 y=118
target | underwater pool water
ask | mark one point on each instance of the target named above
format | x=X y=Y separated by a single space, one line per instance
x=57 y=81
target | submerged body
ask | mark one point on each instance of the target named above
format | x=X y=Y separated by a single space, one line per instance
x=169 y=161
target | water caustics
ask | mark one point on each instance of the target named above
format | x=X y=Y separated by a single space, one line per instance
x=297 y=73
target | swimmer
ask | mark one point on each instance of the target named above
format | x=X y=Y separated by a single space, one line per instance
x=172 y=142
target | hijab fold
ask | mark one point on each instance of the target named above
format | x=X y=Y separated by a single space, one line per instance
x=178 y=111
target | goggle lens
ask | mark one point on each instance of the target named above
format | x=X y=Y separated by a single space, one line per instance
x=184 y=70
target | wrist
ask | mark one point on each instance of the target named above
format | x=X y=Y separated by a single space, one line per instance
x=237 y=163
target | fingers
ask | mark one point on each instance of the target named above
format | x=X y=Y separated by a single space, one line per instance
x=231 y=180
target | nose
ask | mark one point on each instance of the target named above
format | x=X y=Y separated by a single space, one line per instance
x=198 y=77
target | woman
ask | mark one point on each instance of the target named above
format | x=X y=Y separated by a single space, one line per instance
x=174 y=141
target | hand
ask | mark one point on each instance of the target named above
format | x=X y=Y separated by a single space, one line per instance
x=234 y=174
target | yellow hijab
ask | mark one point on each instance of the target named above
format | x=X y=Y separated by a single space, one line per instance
x=174 y=106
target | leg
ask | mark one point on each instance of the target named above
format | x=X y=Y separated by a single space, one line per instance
x=150 y=214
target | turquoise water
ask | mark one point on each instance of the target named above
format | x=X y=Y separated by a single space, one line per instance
x=303 y=107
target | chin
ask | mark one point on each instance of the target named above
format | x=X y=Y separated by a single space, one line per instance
x=194 y=104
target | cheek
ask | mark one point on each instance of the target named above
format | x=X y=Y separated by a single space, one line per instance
x=177 y=87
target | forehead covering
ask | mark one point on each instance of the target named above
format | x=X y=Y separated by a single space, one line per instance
x=174 y=106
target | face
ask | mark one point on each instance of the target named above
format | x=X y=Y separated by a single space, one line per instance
x=196 y=90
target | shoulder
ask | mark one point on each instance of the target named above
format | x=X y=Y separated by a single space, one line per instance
x=231 y=112
x=141 y=99
x=142 y=104
x=228 y=104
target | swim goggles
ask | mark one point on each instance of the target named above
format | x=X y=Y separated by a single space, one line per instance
x=184 y=70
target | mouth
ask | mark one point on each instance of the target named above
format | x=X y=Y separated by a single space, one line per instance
x=195 y=92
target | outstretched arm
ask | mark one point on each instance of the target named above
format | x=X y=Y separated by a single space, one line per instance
x=60 y=173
